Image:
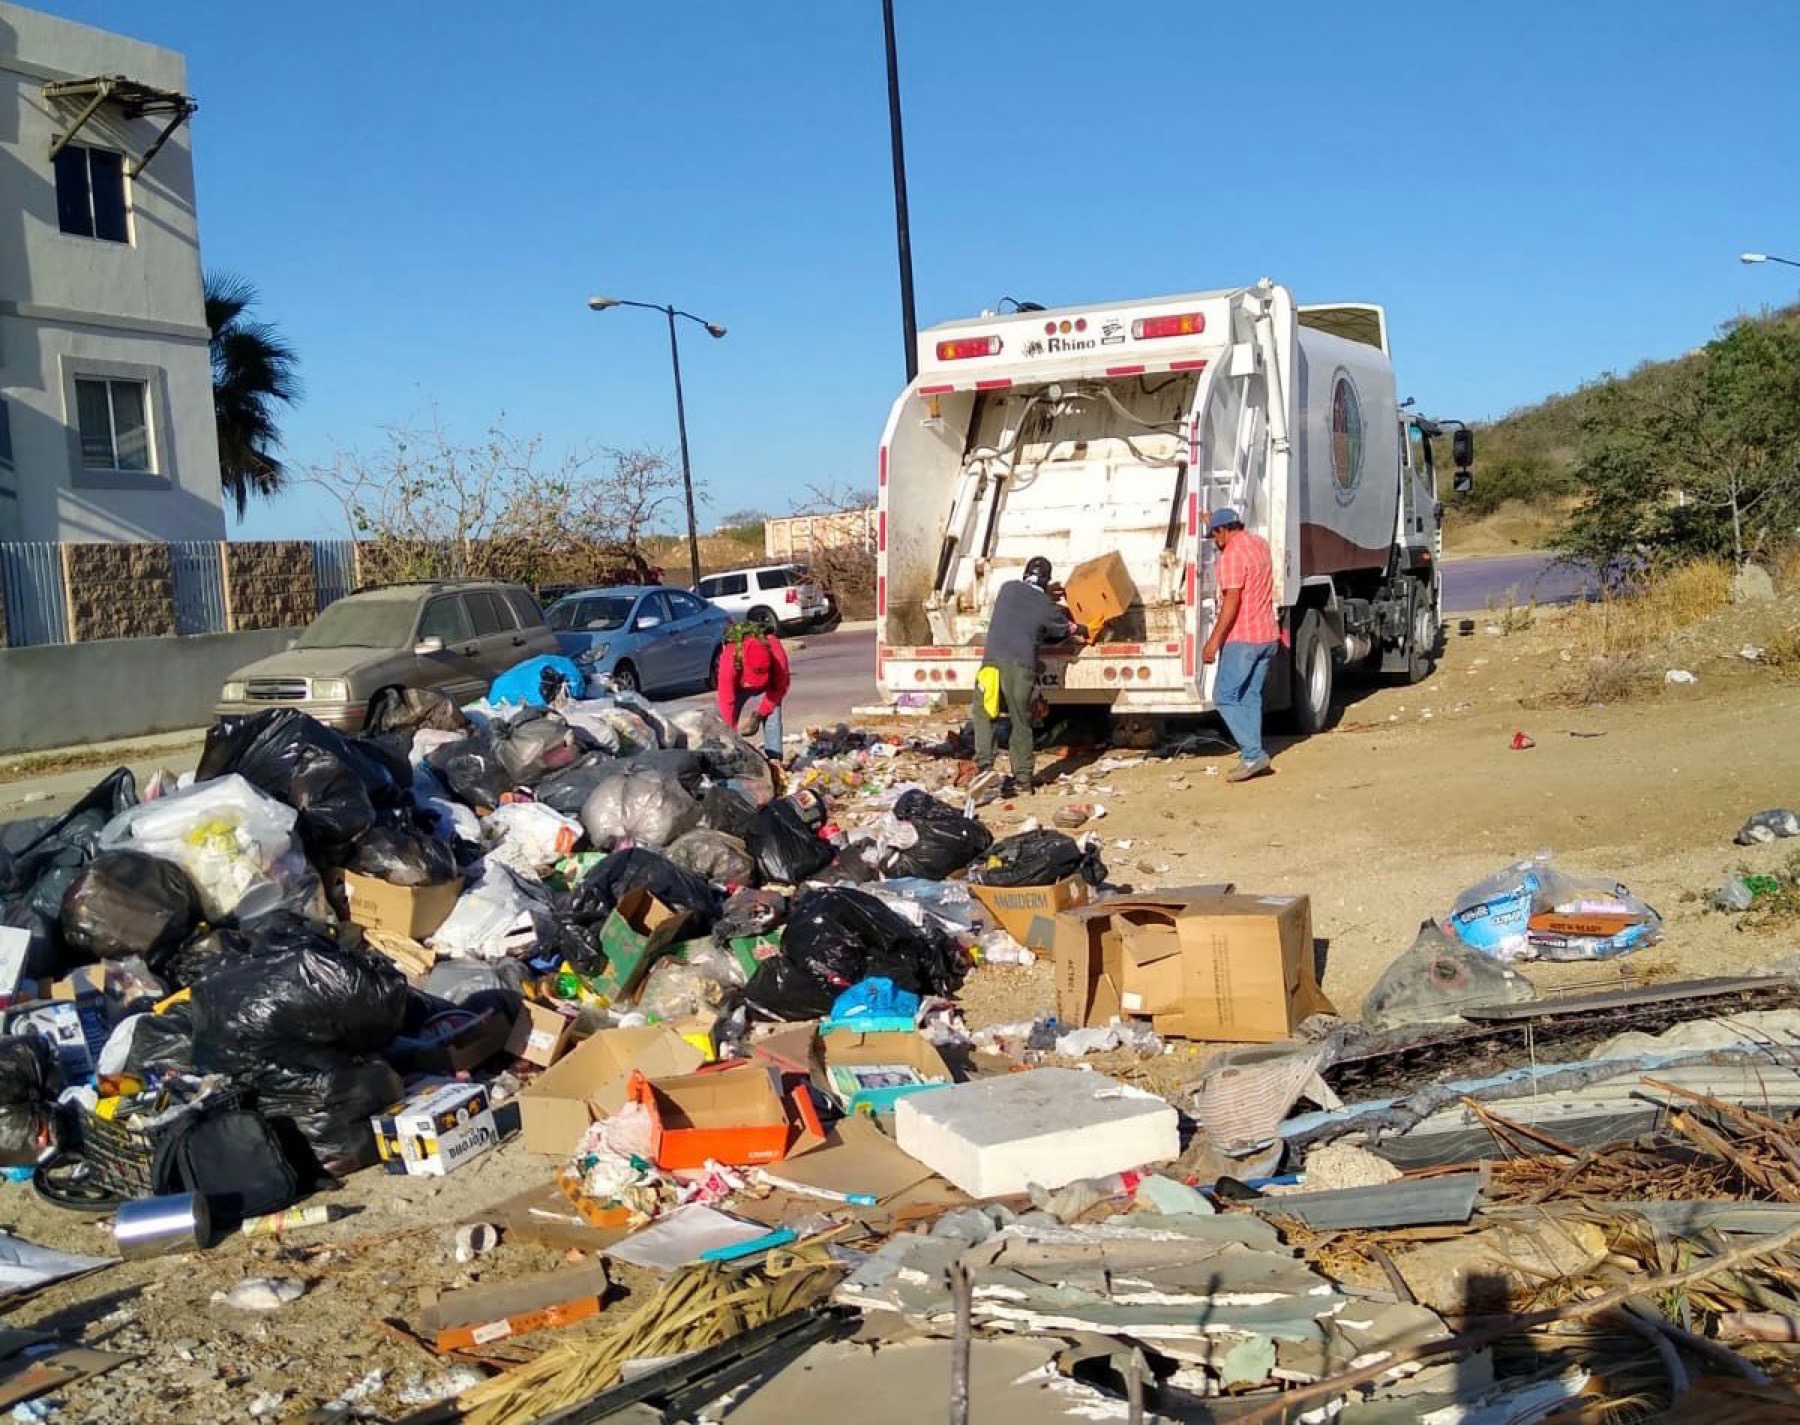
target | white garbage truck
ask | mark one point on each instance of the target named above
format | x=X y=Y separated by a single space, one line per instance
x=1117 y=428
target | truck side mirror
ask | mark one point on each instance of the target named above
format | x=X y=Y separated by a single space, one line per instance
x=1462 y=482
x=1462 y=447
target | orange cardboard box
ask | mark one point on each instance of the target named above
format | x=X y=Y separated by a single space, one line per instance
x=736 y=1116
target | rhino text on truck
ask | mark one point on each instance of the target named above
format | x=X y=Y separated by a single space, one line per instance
x=1081 y=431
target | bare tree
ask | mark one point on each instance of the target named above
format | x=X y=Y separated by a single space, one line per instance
x=425 y=506
x=841 y=552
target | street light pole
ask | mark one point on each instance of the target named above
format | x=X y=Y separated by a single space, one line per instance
x=715 y=331
x=909 y=323
x=687 y=472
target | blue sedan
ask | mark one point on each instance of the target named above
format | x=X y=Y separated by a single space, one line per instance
x=642 y=636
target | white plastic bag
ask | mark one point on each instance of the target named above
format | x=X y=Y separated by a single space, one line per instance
x=529 y=836
x=236 y=845
x=499 y=915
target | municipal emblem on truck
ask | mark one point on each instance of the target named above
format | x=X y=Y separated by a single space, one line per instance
x=1346 y=437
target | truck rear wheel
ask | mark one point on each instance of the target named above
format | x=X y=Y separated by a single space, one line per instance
x=1422 y=632
x=1313 y=674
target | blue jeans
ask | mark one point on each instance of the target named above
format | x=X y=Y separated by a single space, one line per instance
x=1238 y=694
x=771 y=728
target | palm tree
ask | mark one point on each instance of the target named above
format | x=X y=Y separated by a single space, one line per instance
x=253 y=369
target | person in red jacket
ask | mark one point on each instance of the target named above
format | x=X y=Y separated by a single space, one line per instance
x=753 y=682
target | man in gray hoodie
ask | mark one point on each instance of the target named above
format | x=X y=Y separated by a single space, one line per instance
x=1025 y=618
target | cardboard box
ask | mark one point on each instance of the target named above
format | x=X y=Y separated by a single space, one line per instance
x=840 y=1048
x=436 y=1131
x=736 y=1116
x=480 y=1315
x=590 y=1081
x=1098 y=591
x=413 y=911
x=540 y=1035
x=1199 y=965
x=1028 y=913
x=638 y=929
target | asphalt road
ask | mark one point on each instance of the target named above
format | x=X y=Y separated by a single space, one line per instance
x=1474 y=585
x=833 y=673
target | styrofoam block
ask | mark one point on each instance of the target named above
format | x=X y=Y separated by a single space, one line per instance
x=1047 y=1126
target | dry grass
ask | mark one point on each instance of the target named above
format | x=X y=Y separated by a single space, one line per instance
x=1614 y=637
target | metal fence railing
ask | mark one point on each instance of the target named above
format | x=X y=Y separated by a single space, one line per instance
x=334 y=569
x=199 y=579
x=32 y=584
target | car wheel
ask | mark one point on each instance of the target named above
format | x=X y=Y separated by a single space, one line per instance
x=712 y=668
x=625 y=678
x=763 y=618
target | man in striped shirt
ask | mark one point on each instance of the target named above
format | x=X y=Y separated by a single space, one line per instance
x=1244 y=638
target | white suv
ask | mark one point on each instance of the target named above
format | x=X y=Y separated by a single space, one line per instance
x=774 y=595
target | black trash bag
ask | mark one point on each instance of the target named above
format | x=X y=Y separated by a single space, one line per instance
x=202 y=952
x=398 y=852
x=726 y=809
x=161 y=1043
x=714 y=856
x=1038 y=858
x=404 y=711
x=333 y=781
x=534 y=743
x=294 y=986
x=749 y=912
x=591 y=899
x=948 y=840
x=567 y=789
x=29 y=1083
x=837 y=937
x=786 y=849
x=471 y=771
x=40 y=871
x=124 y=903
x=387 y=752
x=329 y=1098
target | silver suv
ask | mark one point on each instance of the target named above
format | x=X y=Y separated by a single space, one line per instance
x=781 y=596
x=450 y=635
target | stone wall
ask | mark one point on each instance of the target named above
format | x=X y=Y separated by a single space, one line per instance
x=270 y=585
x=118 y=591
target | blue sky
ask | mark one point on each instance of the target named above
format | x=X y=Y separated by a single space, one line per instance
x=426 y=194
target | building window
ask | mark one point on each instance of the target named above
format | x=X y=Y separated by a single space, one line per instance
x=90 y=193
x=114 y=422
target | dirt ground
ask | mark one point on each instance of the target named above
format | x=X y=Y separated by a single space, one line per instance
x=1415 y=794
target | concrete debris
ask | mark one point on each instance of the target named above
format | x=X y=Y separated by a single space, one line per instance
x=1343 y=1165
x=1480 y=1274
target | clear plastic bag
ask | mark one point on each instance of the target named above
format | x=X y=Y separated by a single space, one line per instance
x=644 y=805
x=1534 y=910
x=722 y=859
x=239 y=847
x=696 y=981
x=1774 y=825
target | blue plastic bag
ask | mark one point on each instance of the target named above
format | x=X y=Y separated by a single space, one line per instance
x=538 y=681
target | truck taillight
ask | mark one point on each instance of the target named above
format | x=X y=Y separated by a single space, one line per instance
x=964 y=347
x=793 y=596
x=1185 y=324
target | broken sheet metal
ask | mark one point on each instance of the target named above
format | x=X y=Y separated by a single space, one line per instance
x=1219 y=1299
x=1588 y=1105
x=1410 y=1202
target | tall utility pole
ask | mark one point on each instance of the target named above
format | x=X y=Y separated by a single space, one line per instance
x=909 y=322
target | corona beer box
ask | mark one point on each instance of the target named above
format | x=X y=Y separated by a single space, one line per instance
x=436 y=1131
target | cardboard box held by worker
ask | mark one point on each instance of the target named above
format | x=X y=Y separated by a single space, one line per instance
x=1230 y=968
x=1098 y=591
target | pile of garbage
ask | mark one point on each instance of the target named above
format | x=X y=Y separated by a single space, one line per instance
x=715 y=998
